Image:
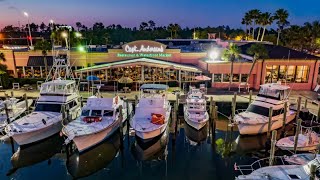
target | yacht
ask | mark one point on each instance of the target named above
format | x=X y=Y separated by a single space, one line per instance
x=152 y=113
x=57 y=93
x=294 y=167
x=15 y=110
x=254 y=120
x=195 y=112
x=100 y=117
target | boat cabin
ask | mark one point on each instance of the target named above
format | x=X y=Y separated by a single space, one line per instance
x=274 y=91
x=59 y=87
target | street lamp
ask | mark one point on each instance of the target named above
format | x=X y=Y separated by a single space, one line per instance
x=27 y=15
x=78 y=35
x=65 y=36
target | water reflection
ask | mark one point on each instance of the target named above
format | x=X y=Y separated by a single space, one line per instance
x=153 y=149
x=248 y=144
x=26 y=156
x=89 y=162
x=194 y=136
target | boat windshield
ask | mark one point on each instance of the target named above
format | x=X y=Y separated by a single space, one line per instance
x=108 y=113
x=258 y=110
x=85 y=112
x=96 y=113
x=48 y=107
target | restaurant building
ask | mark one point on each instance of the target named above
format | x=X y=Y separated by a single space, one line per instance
x=164 y=61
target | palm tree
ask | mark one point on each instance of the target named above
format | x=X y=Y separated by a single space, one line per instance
x=258 y=51
x=231 y=54
x=259 y=22
x=176 y=28
x=44 y=47
x=266 y=20
x=281 y=15
x=247 y=21
x=312 y=31
x=170 y=28
x=79 y=25
x=254 y=15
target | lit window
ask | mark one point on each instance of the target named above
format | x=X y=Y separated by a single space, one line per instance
x=217 y=77
x=302 y=74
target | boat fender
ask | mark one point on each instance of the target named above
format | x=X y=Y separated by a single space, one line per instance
x=44 y=122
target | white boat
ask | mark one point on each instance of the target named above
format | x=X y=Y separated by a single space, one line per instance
x=46 y=120
x=254 y=120
x=307 y=141
x=152 y=113
x=290 y=169
x=195 y=111
x=15 y=110
x=100 y=117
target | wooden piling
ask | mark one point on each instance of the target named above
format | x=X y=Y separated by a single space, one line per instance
x=296 y=137
x=121 y=125
x=7 y=113
x=63 y=112
x=26 y=101
x=250 y=97
x=318 y=117
x=273 y=145
x=233 y=109
x=81 y=101
x=12 y=95
x=298 y=109
x=211 y=105
x=284 y=114
x=306 y=103
x=135 y=100
x=270 y=122
x=313 y=170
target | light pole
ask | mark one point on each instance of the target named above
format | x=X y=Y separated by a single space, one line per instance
x=65 y=36
x=27 y=15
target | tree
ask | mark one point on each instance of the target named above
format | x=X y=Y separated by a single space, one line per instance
x=281 y=16
x=3 y=71
x=44 y=46
x=170 y=29
x=2 y=57
x=259 y=22
x=176 y=28
x=247 y=21
x=231 y=54
x=42 y=27
x=143 y=26
x=254 y=15
x=266 y=20
x=79 y=25
x=258 y=51
x=151 y=24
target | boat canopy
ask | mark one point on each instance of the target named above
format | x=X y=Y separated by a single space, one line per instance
x=101 y=103
x=58 y=87
x=273 y=90
x=154 y=86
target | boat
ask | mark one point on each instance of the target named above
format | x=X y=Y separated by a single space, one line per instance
x=99 y=119
x=154 y=149
x=195 y=111
x=294 y=167
x=307 y=141
x=57 y=93
x=152 y=113
x=254 y=120
x=194 y=136
x=87 y=163
x=15 y=110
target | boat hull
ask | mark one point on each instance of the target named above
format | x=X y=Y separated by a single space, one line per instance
x=305 y=148
x=253 y=129
x=86 y=142
x=23 y=139
x=151 y=134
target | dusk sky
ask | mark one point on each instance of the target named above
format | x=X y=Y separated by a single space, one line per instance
x=130 y=13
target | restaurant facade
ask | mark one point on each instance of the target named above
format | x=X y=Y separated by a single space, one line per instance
x=150 y=61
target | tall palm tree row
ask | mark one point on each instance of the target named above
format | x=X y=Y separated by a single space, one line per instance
x=266 y=20
x=231 y=54
x=247 y=21
x=254 y=15
x=281 y=15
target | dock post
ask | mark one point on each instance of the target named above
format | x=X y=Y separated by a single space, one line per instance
x=270 y=122
x=214 y=120
x=211 y=105
x=313 y=170
x=63 y=112
x=7 y=113
x=306 y=103
x=26 y=101
x=273 y=145
x=250 y=97
x=298 y=109
x=12 y=95
x=318 y=117
x=284 y=114
x=121 y=126
x=81 y=101
x=135 y=100
x=296 y=137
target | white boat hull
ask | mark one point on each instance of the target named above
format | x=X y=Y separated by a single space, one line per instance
x=194 y=122
x=151 y=134
x=253 y=129
x=87 y=141
x=36 y=136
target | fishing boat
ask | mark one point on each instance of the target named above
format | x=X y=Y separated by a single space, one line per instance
x=15 y=110
x=152 y=113
x=195 y=112
x=95 y=159
x=307 y=141
x=294 y=167
x=100 y=117
x=57 y=93
x=254 y=120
